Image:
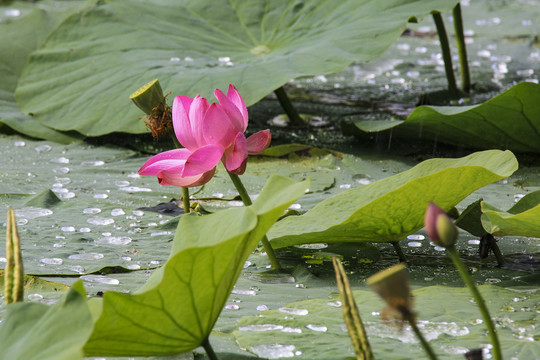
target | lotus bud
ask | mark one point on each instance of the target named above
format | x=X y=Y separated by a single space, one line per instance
x=392 y=285
x=439 y=227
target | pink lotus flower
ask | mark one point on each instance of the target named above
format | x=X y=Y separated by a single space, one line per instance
x=209 y=133
x=439 y=227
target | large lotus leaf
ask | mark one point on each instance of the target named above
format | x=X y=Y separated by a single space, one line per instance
x=510 y=120
x=447 y=317
x=391 y=208
x=20 y=36
x=81 y=78
x=501 y=223
x=176 y=310
x=36 y=331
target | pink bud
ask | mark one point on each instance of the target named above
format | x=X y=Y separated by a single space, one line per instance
x=440 y=227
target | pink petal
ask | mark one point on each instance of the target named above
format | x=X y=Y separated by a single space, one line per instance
x=217 y=127
x=235 y=157
x=230 y=108
x=181 y=122
x=234 y=96
x=173 y=178
x=202 y=160
x=163 y=161
x=197 y=114
x=258 y=142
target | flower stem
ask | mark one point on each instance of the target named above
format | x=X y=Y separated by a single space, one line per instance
x=423 y=341
x=290 y=110
x=208 y=348
x=399 y=252
x=464 y=272
x=185 y=200
x=462 y=49
x=247 y=202
x=447 y=57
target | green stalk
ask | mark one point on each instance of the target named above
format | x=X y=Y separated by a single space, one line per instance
x=290 y=110
x=464 y=272
x=423 y=341
x=208 y=348
x=247 y=202
x=399 y=252
x=462 y=49
x=447 y=57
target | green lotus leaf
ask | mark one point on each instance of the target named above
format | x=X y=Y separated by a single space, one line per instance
x=520 y=220
x=21 y=36
x=394 y=207
x=81 y=77
x=447 y=318
x=177 y=308
x=510 y=120
x=37 y=331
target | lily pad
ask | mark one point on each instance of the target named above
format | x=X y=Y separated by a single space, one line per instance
x=22 y=35
x=315 y=328
x=177 y=308
x=511 y=120
x=37 y=331
x=520 y=220
x=394 y=207
x=111 y=49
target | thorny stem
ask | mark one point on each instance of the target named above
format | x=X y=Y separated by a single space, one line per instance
x=464 y=272
x=399 y=251
x=447 y=57
x=423 y=341
x=462 y=49
x=247 y=202
x=290 y=110
x=208 y=348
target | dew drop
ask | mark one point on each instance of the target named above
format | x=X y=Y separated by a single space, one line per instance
x=52 y=261
x=85 y=230
x=261 y=307
x=113 y=240
x=133 y=266
x=93 y=163
x=62 y=170
x=138 y=213
x=416 y=237
x=98 y=220
x=336 y=303
x=60 y=160
x=101 y=196
x=319 y=328
x=19 y=143
x=126 y=258
x=117 y=212
x=35 y=297
x=86 y=256
x=159 y=233
x=67 y=228
x=43 y=148
x=293 y=311
x=92 y=211
x=32 y=212
x=133 y=189
x=273 y=351
x=77 y=268
x=474 y=242
x=232 y=307
x=414 y=244
x=260 y=327
x=122 y=182
x=100 y=279
x=244 y=292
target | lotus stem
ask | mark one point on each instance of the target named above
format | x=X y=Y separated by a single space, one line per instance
x=425 y=344
x=464 y=272
x=14 y=271
x=287 y=105
x=247 y=202
x=447 y=56
x=208 y=348
x=185 y=190
x=399 y=251
x=351 y=315
x=462 y=49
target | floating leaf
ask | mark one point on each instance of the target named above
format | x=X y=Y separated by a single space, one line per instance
x=446 y=316
x=513 y=222
x=177 y=308
x=37 y=331
x=22 y=36
x=510 y=120
x=391 y=208
x=81 y=78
